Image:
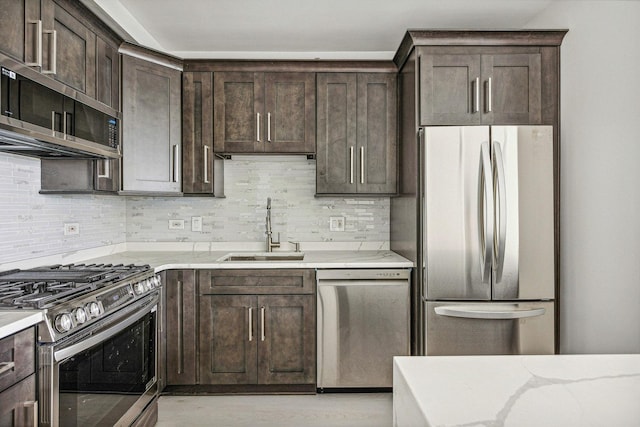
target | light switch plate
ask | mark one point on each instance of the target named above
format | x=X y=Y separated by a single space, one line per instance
x=176 y=224
x=196 y=223
x=336 y=223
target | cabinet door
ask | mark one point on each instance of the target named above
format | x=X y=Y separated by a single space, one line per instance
x=512 y=89
x=181 y=327
x=450 y=90
x=19 y=22
x=287 y=343
x=228 y=339
x=197 y=133
x=290 y=106
x=336 y=136
x=18 y=406
x=151 y=126
x=238 y=112
x=107 y=74
x=70 y=51
x=377 y=118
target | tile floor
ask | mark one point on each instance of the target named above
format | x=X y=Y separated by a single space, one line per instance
x=321 y=410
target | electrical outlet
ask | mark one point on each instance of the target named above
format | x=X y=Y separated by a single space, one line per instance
x=71 y=228
x=176 y=224
x=336 y=223
x=196 y=223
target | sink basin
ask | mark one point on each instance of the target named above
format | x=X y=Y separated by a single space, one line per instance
x=263 y=256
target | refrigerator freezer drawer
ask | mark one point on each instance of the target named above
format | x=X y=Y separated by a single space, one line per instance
x=468 y=328
x=362 y=324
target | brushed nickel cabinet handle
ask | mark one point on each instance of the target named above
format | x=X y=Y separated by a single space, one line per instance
x=362 y=165
x=176 y=163
x=262 y=335
x=6 y=367
x=106 y=163
x=476 y=98
x=34 y=411
x=258 y=127
x=250 y=323
x=38 y=44
x=268 y=127
x=351 y=164
x=489 y=101
x=206 y=164
x=53 y=52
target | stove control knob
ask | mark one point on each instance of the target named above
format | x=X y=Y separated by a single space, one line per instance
x=80 y=315
x=93 y=309
x=149 y=284
x=139 y=288
x=157 y=281
x=63 y=322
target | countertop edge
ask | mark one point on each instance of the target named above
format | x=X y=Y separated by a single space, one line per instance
x=12 y=321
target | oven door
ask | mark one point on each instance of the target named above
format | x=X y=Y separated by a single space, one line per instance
x=104 y=378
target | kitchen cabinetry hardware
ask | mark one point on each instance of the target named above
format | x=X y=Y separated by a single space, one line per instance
x=250 y=309
x=257 y=127
x=33 y=404
x=489 y=101
x=361 y=165
x=262 y=335
x=205 y=166
x=268 y=127
x=37 y=42
x=351 y=165
x=105 y=171
x=6 y=367
x=176 y=162
x=53 y=52
x=476 y=96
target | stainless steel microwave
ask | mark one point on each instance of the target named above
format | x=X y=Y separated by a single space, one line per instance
x=38 y=121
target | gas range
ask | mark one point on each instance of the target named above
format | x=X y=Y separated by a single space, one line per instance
x=75 y=296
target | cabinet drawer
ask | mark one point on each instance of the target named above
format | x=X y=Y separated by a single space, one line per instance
x=17 y=404
x=274 y=281
x=18 y=351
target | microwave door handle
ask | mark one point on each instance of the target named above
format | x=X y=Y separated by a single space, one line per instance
x=501 y=211
x=485 y=213
x=468 y=312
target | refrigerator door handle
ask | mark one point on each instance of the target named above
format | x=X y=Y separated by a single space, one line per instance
x=501 y=211
x=472 y=312
x=485 y=213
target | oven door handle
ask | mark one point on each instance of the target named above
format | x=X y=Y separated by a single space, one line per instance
x=99 y=337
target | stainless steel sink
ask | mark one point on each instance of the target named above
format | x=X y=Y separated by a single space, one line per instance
x=263 y=256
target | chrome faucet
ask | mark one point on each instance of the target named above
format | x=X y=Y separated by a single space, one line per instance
x=270 y=243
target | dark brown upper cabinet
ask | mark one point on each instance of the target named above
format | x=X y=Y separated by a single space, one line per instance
x=492 y=88
x=356 y=138
x=201 y=170
x=70 y=49
x=256 y=112
x=64 y=41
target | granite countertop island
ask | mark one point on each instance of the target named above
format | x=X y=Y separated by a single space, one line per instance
x=518 y=391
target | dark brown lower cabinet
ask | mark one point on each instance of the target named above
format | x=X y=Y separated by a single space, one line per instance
x=257 y=339
x=18 y=405
x=240 y=330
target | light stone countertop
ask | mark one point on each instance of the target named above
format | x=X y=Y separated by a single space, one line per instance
x=517 y=391
x=171 y=260
x=12 y=321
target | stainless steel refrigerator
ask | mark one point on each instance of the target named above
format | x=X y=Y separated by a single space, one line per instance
x=487 y=214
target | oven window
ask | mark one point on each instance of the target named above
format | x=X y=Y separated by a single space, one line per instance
x=98 y=386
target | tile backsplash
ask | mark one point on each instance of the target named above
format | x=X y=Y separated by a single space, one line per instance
x=32 y=223
x=240 y=217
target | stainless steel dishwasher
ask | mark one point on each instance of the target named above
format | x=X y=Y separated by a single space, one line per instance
x=363 y=321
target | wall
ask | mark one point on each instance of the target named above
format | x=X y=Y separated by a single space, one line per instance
x=600 y=200
x=240 y=217
x=31 y=224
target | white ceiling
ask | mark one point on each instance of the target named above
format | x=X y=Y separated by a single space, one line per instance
x=303 y=29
